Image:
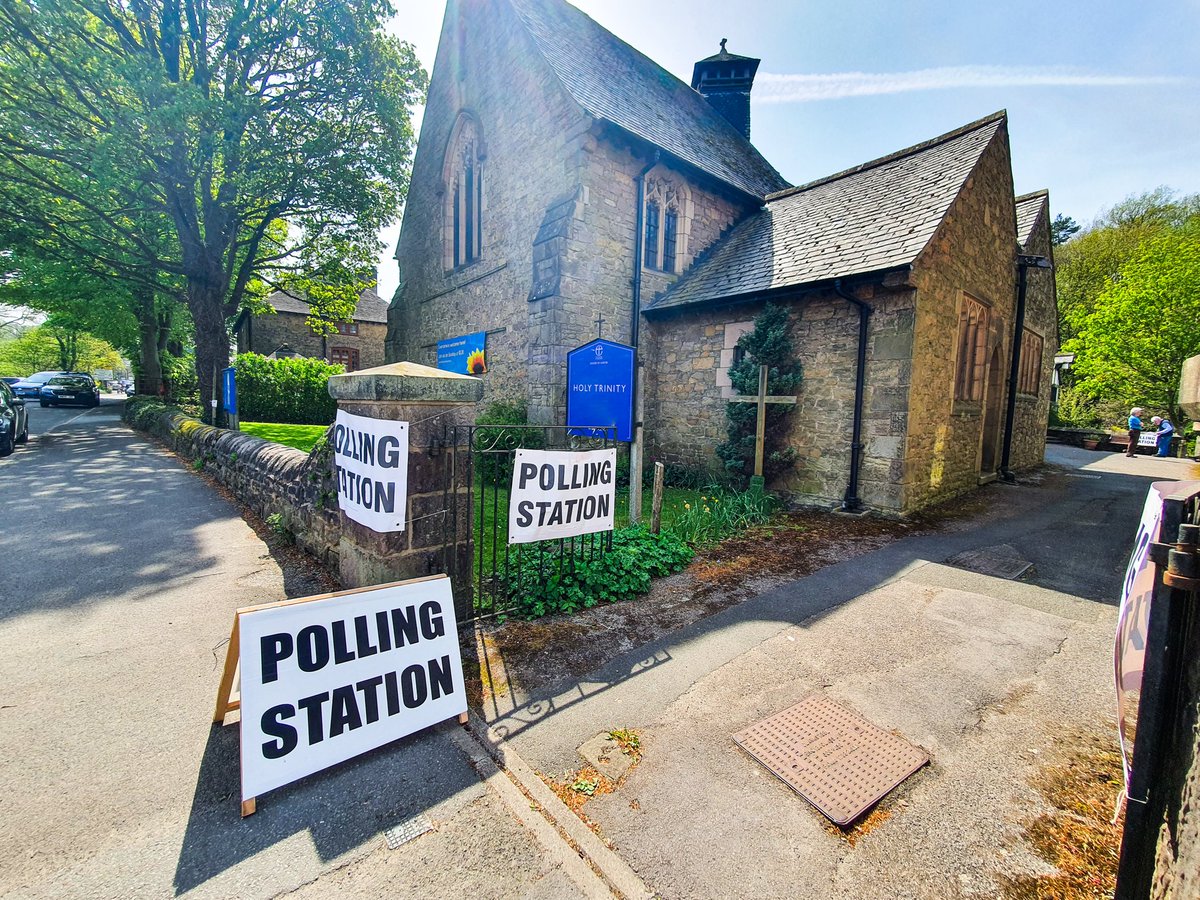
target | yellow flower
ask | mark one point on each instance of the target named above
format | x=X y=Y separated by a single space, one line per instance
x=703 y=498
x=716 y=500
x=706 y=509
x=687 y=506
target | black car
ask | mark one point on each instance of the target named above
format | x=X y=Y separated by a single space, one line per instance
x=31 y=388
x=14 y=420
x=76 y=389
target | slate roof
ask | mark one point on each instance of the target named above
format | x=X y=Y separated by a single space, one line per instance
x=370 y=307
x=1029 y=206
x=614 y=82
x=874 y=217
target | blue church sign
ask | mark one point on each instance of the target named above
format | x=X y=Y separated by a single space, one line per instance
x=600 y=388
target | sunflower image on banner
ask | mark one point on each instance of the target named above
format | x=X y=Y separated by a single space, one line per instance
x=465 y=354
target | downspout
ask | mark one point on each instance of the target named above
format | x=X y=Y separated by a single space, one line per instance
x=638 y=253
x=852 y=502
x=1023 y=265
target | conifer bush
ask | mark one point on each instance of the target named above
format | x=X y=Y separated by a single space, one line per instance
x=769 y=343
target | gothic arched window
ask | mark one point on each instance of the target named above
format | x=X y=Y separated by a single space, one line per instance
x=463 y=182
x=668 y=216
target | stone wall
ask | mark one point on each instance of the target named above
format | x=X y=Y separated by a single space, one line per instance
x=1032 y=413
x=685 y=415
x=266 y=333
x=269 y=478
x=972 y=252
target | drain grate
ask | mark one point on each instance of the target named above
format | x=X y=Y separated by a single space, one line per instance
x=833 y=757
x=406 y=831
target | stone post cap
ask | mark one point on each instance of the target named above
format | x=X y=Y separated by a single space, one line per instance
x=406 y=382
x=1189 y=388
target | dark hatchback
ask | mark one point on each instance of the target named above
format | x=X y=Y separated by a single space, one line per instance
x=31 y=388
x=14 y=420
x=70 y=389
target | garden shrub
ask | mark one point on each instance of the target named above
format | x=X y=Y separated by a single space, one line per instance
x=618 y=574
x=291 y=391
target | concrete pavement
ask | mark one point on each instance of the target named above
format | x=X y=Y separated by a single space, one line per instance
x=119 y=573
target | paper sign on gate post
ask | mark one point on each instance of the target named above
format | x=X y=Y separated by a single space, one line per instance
x=327 y=678
x=561 y=494
x=371 y=456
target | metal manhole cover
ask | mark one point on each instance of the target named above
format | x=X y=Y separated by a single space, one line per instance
x=833 y=757
x=407 y=831
x=1000 y=561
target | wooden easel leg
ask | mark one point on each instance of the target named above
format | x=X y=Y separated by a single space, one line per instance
x=249 y=807
x=462 y=718
x=231 y=662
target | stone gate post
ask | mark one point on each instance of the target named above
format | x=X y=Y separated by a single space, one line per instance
x=436 y=539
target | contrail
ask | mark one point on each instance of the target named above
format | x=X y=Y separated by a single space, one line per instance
x=773 y=88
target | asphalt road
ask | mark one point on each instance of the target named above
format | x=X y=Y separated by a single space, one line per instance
x=120 y=570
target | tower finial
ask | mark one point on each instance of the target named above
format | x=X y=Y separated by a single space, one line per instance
x=723 y=40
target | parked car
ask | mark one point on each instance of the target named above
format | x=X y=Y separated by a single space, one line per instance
x=79 y=389
x=14 y=420
x=10 y=380
x=31 y=388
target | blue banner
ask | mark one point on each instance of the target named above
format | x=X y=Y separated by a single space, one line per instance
x=600 y=388
x=229 y=390
x=464 y=354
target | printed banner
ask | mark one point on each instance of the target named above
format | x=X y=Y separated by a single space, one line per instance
x=372 y=470
x=326 y=679
x=465 y=354
x=561 y=494
x=1133 y=618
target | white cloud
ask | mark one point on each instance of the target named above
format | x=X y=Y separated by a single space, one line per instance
x=772 y=88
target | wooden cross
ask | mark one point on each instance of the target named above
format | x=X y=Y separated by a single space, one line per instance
x=761 y=428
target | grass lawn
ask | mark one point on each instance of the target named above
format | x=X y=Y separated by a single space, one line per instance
x=302 y=437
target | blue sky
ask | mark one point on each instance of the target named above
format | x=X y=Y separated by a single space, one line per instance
x=1102 y=96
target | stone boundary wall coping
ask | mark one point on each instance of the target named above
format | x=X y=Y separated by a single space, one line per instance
x=406 y=382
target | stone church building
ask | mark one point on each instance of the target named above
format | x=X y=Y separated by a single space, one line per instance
x=562 y=176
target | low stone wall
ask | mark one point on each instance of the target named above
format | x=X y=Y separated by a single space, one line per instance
x=269 y=478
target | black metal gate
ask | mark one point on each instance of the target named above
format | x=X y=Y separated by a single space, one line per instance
x=500 y=572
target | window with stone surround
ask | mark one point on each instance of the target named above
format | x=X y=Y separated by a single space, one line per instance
x=972 y=349
x=668 y=217
x=347 y=327
x=462 y=183
x=1029 y=376
x=345 y=356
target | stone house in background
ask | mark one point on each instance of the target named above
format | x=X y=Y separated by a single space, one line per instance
x=562 y=177
x=358 y=344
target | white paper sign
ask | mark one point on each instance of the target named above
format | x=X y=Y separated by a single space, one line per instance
x=325 y=680
x=372 y=470
x=561 y=494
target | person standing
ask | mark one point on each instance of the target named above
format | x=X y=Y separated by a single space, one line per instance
x=1135 y=430
x=1163 y=436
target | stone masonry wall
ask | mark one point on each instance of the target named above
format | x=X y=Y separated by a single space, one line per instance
x=265 y=334
x=685 y=420
x=1041 y=315
x=531 y=132
x=973 y=252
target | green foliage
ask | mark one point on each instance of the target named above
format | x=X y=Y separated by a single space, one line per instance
x=1062 y=229
x=769 y=344
x=586 y=786
x=47 y=347
x=543 y=586
x=294 y=391
x=1142 y=325
x=720 y=513
x=499 y=420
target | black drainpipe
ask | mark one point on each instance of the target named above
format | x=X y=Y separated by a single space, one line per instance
x=852 y=502
x=1024 y=263
x=638 y=252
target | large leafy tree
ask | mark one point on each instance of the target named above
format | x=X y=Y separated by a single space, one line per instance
x=1142 y=325
x=223 y=118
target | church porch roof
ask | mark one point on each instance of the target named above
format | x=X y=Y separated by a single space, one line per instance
x=875 y=217
x=1029 y=209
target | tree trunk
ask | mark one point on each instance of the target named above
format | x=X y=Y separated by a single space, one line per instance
x=149 y=346
x=206 y=302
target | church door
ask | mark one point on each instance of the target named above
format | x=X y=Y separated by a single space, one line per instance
x=989 y=457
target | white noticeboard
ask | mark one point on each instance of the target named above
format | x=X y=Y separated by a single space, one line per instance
x=561 y=494
x=371 y=456
x=328 y=678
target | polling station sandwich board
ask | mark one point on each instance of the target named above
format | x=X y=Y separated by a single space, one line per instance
x=371 y=456
x=561 y=494
x=324 y=679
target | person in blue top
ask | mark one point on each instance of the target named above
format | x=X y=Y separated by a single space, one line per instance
x=1135 y=430
x=1164 y=434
